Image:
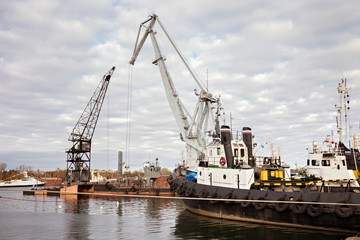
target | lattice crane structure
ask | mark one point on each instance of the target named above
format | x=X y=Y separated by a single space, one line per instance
x=79 y=155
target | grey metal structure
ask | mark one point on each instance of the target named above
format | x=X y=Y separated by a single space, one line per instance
x=193 y=127
x=79 y=155
x=120 y=165
x=151 y=172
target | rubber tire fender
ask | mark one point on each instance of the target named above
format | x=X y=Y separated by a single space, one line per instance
x=189 y=192
x=260 y=205
x=230 y=195
x=214 y=196
x=298 y=208
x=344 y=214
x=203 y=194
x=281 y=207
x=181 y=189
x=246 y=203
x=314 y=210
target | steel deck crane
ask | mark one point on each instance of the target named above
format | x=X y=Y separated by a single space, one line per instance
x=193 y=128
x=79 y=155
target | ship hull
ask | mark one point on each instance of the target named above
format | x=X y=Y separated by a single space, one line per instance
x=311 y=216
x=21 y=185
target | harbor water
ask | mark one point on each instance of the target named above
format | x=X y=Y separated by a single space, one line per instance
x=102 y=217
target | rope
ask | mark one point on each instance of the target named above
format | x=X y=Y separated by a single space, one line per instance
x=108 y=126
x=190 y=198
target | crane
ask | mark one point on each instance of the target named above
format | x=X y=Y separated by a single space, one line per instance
x=193 y=128
x=79 y=155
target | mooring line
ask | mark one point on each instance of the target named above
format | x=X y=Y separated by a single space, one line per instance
x=187 y=198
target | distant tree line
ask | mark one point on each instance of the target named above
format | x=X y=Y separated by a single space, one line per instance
x=18 y=173
x=60 y=173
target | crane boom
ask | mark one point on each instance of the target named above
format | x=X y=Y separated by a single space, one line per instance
x=79 y=155
x=193 y=128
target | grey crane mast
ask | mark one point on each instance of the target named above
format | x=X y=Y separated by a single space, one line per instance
x=193 y=128
x=79 y=155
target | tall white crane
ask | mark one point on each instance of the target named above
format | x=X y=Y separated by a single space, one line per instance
x=193 y=128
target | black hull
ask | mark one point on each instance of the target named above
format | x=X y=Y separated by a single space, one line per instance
x=319 y=217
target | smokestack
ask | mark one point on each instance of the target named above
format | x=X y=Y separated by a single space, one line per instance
x=226 y=141
x=120 y=164
x=247 y=138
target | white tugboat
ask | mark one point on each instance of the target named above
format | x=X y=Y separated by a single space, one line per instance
x=329 y=162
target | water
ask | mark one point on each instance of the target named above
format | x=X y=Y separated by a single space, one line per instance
x=51 y=217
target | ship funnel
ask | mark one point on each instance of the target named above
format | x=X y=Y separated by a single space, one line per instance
x=247 y=138
x=226 y=141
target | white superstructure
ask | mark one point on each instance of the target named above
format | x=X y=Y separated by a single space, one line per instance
x=26 y=181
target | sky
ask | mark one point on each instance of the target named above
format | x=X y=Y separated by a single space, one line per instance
x=275 y=64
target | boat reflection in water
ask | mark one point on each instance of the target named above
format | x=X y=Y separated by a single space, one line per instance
x=191 y=226
x=104 y=217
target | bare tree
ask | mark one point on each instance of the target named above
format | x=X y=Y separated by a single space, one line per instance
x=165 y=172
x=23 y=168
x=3 y=167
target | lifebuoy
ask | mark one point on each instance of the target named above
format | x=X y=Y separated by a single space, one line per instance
x=344 y=211
x=266 y=160
x=222 y=161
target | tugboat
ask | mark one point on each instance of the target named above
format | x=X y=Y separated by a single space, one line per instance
x=227 y=188
x=229 y=183
x=334 y=163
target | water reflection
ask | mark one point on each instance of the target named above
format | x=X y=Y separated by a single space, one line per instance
x=75 y=204
x=105 y=217
x=190 y=226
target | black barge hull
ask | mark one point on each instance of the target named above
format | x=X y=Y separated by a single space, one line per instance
x=311 y=210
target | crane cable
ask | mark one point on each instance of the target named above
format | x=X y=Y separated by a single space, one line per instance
x=107 y=132
x=128 y=117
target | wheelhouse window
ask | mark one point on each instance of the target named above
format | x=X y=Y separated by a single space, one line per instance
x=315 y=162
x=236 y=152
x=325 y=162
x=343 y=161
x=308 y=162
x=242 y=152
x=218 y=151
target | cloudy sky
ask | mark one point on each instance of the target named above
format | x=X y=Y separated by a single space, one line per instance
x=275 y=64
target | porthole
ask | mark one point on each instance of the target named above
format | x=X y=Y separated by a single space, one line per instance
x=224 y=176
